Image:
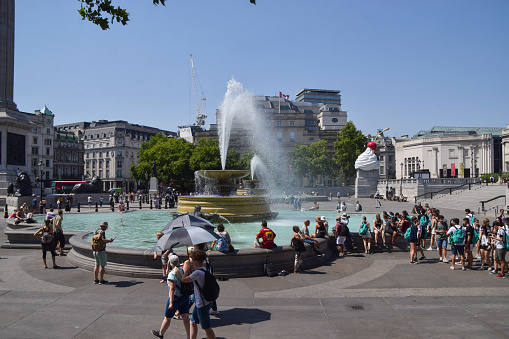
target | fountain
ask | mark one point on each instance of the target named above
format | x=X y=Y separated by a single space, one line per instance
x=220 y=189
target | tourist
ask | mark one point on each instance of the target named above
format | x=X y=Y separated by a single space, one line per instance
x=378 y=229
x=316 y=206
x=390 y=228
x=500 y=250
x=441 y=238
x=30 y=217
x=404 y=222
x=121 y=206
x=469 y=246
x=320 y=228
x=43 y=204
x=358 y=206
x=89 y=199
x=477 y=228
x=309 y=239
x=267 y=236
x=421 y=238
x=101 y=201
x=457 y=242
x=501 y=215
x=100 y=256
x=485 y=245
x=164 y=259
x=176 y=301
x=365 y=233
x=424 y=222
x=59 y=233
x=341 y=232
x=431 y=227
x=343 y=206
x=297 y=243
x=18 y=216
x=47 y=242
x=415 y=235
x=223 y=244
x=50 y=214
x=201 y=311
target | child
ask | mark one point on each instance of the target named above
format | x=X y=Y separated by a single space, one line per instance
x=164 y=259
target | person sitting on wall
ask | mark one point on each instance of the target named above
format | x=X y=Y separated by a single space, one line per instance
x=267 y=236
x=315 y=207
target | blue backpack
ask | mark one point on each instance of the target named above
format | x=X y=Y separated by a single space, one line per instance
x=458 y=236
x=222 y=243
x=364 y=229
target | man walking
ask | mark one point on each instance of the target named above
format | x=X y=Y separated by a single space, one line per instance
x=100 y=254
x=58 y=232
x=500 y=250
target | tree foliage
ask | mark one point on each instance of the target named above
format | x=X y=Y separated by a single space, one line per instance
x=103 y=12
x=206 y=155
x=312 y=160
x=171 y=157
x=349 y=145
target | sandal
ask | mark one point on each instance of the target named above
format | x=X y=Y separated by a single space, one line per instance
x=177 y=317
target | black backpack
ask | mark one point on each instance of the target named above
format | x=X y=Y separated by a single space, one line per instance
x=269 y=270
x=210 y=290
x=344 y=231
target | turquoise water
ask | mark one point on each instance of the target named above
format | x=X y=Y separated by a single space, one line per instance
x=137 y=229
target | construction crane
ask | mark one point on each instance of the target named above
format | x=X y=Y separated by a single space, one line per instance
x=200 y=103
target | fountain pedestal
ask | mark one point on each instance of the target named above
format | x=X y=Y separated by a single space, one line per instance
x=153 y=187
x=366 y=183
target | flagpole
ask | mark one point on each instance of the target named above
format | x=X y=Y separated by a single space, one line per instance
x=279 y=102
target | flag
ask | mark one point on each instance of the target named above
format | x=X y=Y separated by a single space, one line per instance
x=281 y=95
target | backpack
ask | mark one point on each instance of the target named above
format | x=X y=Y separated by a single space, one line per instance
x=46 y=238
x=210 y=290
x=424 y=232
x=475 y=237
x=424 y=220
x=222 y=243
x=408 y=233
x=298 y=246
x=186 y=289
x=344 y=230
x=269 y=270
x=506 y=238
x=364 y=229
x=97 y=244
x=458 y=237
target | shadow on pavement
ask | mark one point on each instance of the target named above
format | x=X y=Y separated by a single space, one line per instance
x=239 y=316
x=125 y=283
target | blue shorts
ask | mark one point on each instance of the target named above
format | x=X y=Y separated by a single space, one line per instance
x=308 y=241
x=458 y=249
x=179 y=303
x=201 y=316
x=442 y=243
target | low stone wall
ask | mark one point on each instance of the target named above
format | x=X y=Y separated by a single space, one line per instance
x=24 y=237
x=236 y=264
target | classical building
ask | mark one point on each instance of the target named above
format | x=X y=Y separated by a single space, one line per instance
x=505 y=150
x=386 y=154
x=450 y=152
x=110 y=148
x=69 y=156
x=315 y=115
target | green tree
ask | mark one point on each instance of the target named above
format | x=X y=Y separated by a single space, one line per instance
x=171 y=157
x=312 y=160
x=349 y=145
x=206 y=155
x=103 y=12
x=235 y=161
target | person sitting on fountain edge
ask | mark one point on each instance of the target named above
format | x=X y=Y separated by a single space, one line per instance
x=267 y=236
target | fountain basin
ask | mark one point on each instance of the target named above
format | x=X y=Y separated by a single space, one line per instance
x=237 y=264
x=235 y=208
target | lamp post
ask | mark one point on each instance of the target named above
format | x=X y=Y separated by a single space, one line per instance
x=401 y=180
x=40 y=164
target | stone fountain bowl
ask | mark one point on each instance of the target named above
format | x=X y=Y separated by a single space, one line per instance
x=223 y=176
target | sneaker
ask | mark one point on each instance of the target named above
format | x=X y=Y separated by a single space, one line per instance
x=365 y=252
x=318 y=253
x=422 y=258
x=157 y=334
x=340 y=255
x=429 y=249
x=440 y=259
x=463 y=268
x=412 y=262
x=478 y=257
x=467 y=268
x=103 y=282
x=501 y=276
x=96 y=282
x=445 y=260
x=212 y=312
x=493 y=272
x=452 y=268
x=480 y=268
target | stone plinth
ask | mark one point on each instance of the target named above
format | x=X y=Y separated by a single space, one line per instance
x=154 y=186
x=366 y=183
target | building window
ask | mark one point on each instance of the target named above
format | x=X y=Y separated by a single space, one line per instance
x=381 y=158
x=119 y=153
x=292 y=123
x=34 y=140
x=292 y=136
x=34 y=130
x=381 y=170
x=47 y=163
x=47 y=151
x=35 y=150
x=279 y=136
x=334 y=120
x=311 y=138
x=34 y=162
x=119 y=173
x=87 y=155
x=279 y=123
x=119 y=164
x=48 y=131
x=93 y=154
x=47 y=142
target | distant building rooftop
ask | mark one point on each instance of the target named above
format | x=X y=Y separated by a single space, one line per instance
x=440 y=131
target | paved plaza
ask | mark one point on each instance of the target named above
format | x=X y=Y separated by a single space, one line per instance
x=359 y=296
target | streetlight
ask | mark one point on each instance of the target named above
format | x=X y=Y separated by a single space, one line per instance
x=401 y=180
x=40 y=164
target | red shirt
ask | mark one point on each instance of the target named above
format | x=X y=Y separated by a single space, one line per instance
x=267 y=236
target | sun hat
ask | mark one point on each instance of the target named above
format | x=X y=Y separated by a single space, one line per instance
x=344 y=215
x=322 y=218
x=104 y=223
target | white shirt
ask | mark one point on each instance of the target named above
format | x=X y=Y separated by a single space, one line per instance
x=454 y=228
x=501 y=234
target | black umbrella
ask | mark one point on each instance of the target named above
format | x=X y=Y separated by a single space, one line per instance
x=188 y=220
x=184 y=236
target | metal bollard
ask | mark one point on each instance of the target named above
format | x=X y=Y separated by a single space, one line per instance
x=113 y=208
x=96 y=207
x=166 y=204
x=79 y=205
x=140 y=204
x=6 y=214
x=50 y=205
x=127 y=205
x=150 y=203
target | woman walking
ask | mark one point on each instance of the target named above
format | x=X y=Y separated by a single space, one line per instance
x=176 y=301
x=47 y=242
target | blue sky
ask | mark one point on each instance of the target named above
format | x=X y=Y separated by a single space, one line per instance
x=407 y=65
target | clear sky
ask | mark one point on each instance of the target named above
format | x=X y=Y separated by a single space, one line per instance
x=408 y=65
